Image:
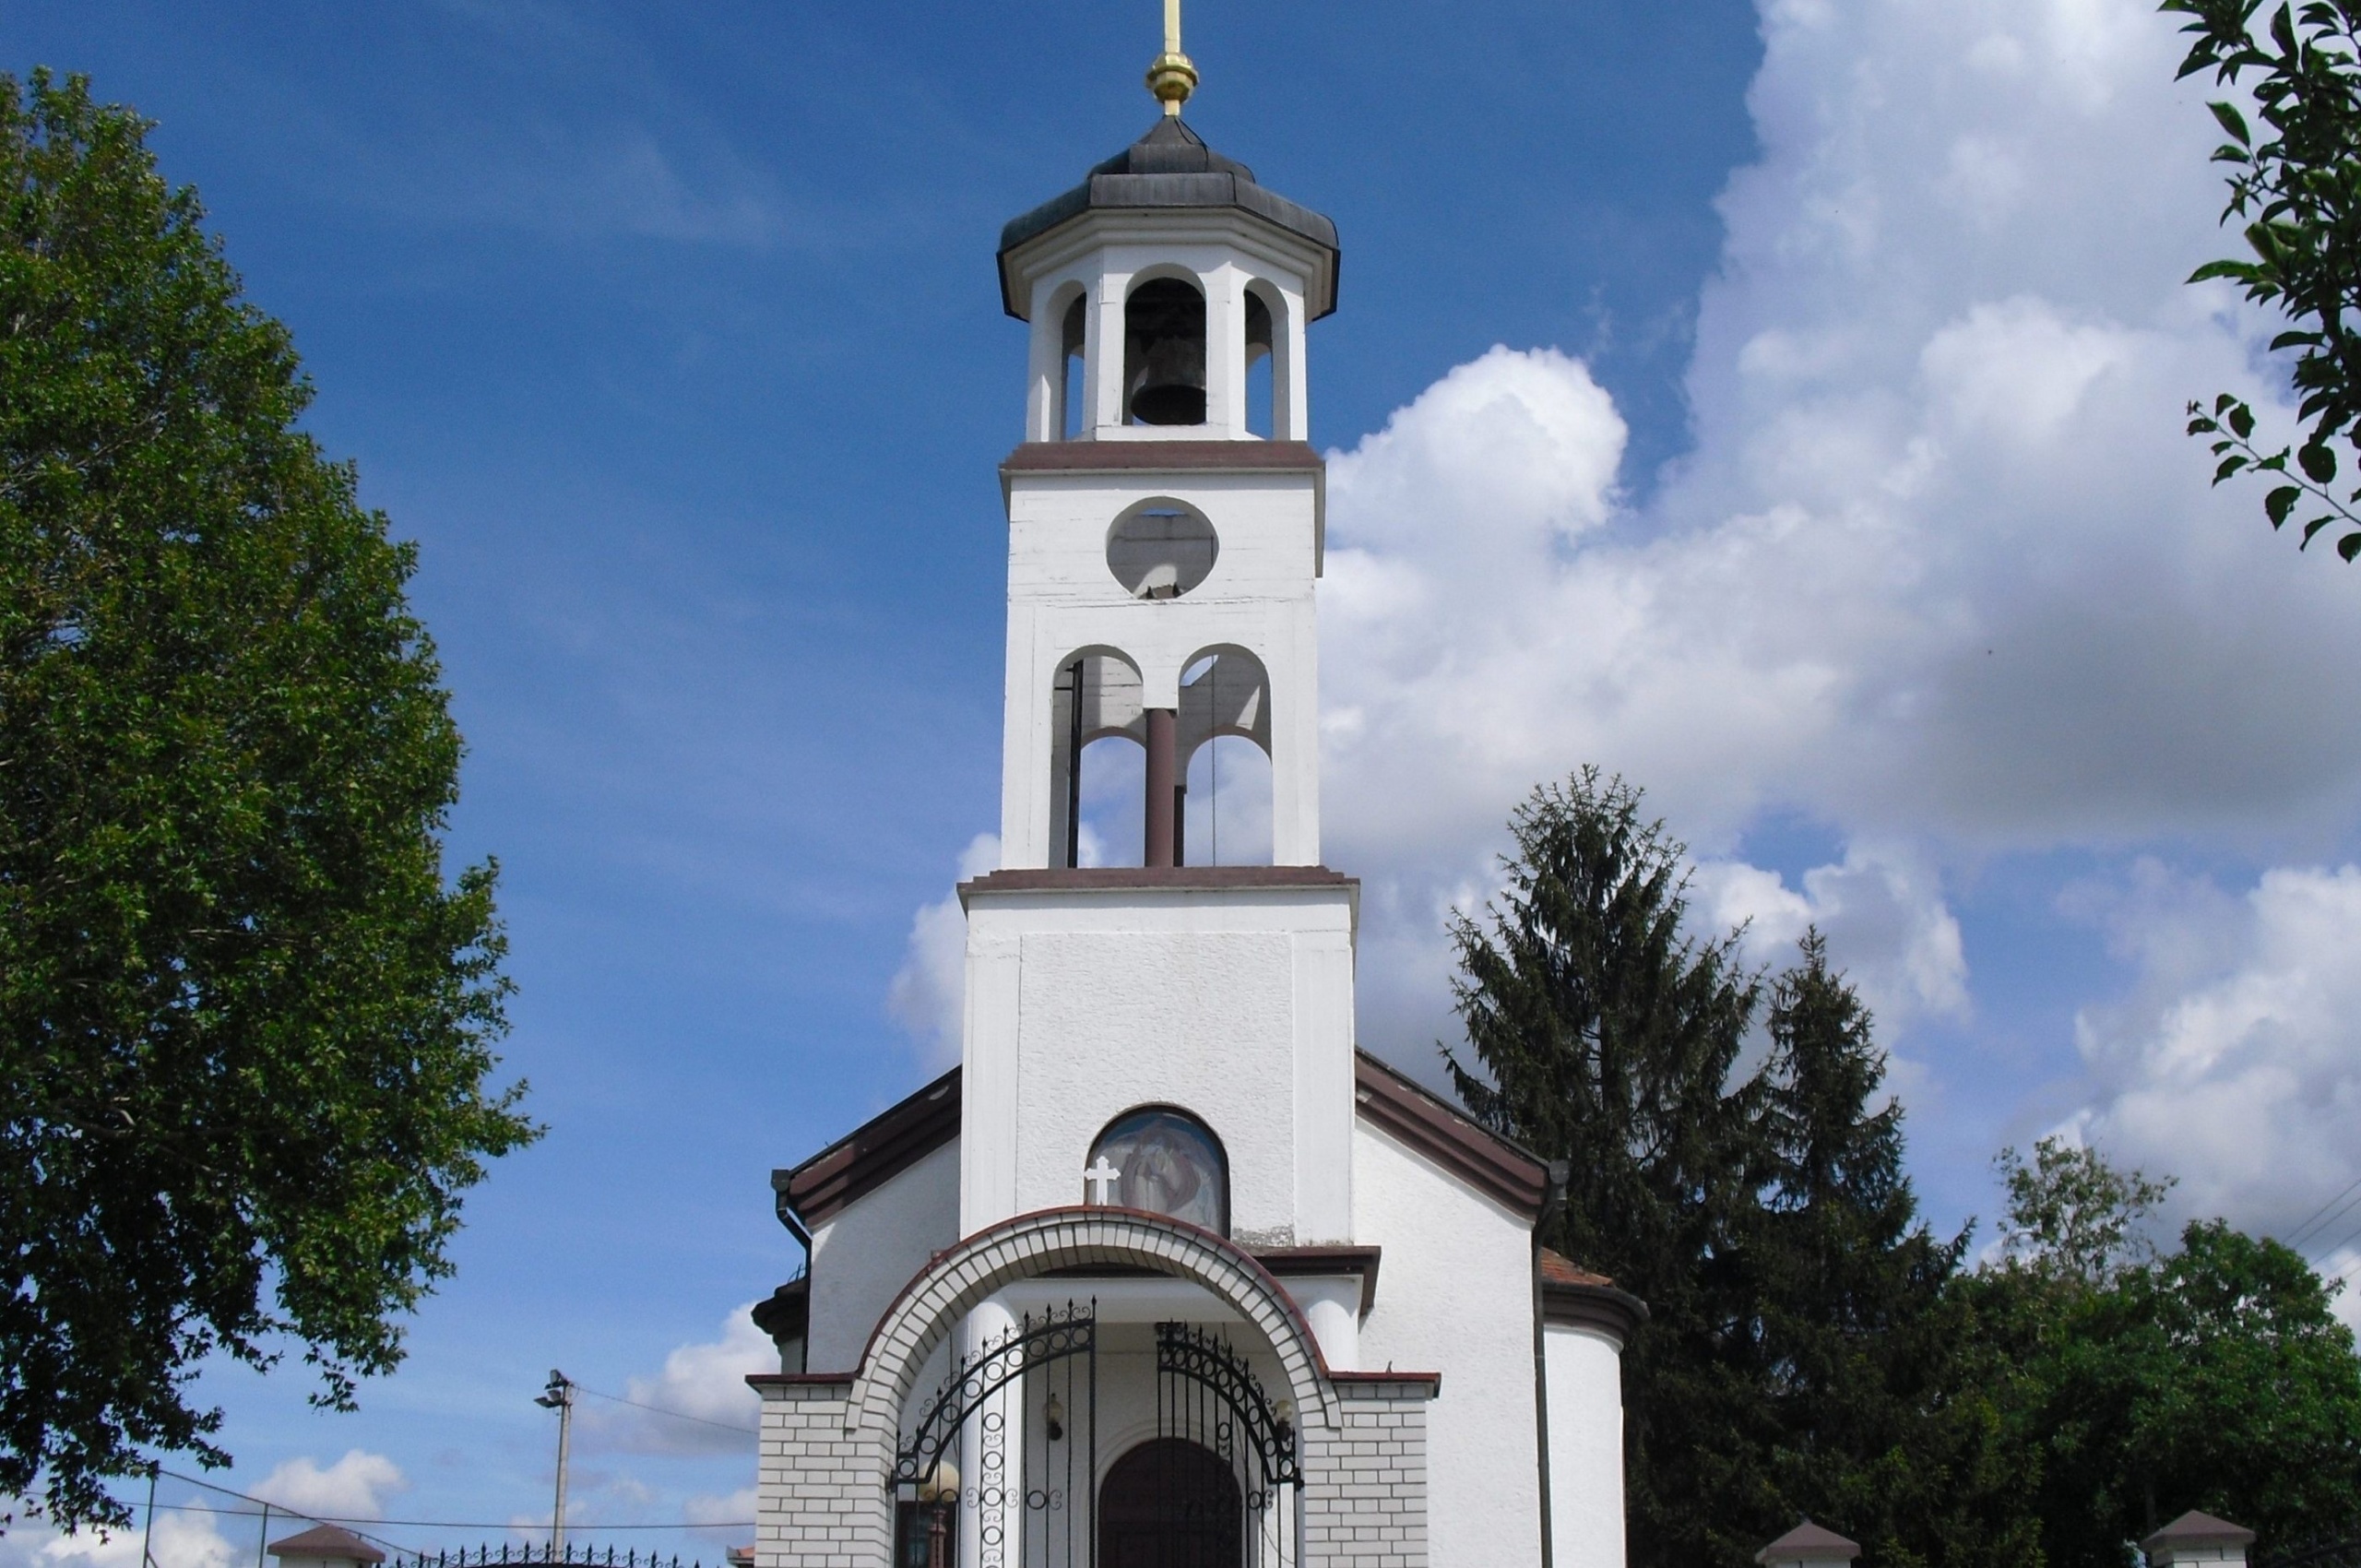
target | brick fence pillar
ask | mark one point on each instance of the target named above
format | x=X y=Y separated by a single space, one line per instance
x=1365 y=1479
x=821 y=1498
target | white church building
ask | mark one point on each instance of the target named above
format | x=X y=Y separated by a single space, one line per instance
x=1168 y=1273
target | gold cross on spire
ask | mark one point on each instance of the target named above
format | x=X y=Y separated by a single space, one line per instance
x=1172 y=77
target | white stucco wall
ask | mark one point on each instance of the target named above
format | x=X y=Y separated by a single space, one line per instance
x=1455 y=1296
x=873 y=1246
x=1585 y=1372
x=1234 y=1005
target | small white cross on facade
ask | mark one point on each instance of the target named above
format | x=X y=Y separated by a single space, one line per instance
x=1101 y=1178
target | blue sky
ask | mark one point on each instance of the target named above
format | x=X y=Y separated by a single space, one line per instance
x=1827 y=482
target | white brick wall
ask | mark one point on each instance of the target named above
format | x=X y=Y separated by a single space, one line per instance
x=1365 y=1482
x=819 y=1498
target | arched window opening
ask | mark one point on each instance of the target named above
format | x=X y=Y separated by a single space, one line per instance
x=1071 y=415
x=1161 y=550
x=1224 y=728
x=1164 y=353
x=1228 y=804
x=1261 y=367
x=1162 y=1160
x=1096 y=767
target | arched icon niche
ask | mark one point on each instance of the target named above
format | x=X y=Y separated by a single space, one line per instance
x=1164 y=1160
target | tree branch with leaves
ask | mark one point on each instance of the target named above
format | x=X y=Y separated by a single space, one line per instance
x=2295 y=191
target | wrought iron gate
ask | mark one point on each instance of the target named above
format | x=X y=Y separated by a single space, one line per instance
x=1207 y=1393
x=1217 y=1485
x=1032 y=1397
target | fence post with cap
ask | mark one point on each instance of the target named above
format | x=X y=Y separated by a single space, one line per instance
x=1809 y=1546
x=2196 y=1537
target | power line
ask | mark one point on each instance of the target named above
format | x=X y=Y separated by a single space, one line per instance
x=676 y=1415
x=433 y=1524
x=2329 y=1251
x=2321 y=1215
x=421 y=1524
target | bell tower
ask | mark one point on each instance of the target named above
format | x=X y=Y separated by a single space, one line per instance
x=1166 y=518
x=1153 y=526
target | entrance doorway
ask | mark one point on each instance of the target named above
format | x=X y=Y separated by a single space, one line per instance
x=1171 y=1503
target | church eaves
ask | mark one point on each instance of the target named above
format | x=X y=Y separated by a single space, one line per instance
x=901 y=1135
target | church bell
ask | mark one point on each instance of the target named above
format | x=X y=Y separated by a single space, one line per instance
x=1164 y=353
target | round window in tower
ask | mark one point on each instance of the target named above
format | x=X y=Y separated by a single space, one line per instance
x=1161 y=550
x=1162 y=1160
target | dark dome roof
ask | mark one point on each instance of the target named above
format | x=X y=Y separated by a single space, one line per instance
x=1171 y=167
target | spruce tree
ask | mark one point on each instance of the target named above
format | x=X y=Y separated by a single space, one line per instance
x=1882 y=1429
x=1603 y=1034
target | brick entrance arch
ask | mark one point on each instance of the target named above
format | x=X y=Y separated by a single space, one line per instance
x=930 y=1307
x=824 y=1499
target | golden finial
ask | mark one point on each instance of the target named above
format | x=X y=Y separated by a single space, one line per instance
x=1172 y=77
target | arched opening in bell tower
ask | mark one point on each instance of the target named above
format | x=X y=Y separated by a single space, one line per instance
x=1164 y=353
x=1271 y=350
x=1228 y=804
x=1073 y=332
x=1098 y=764
x=1261 y=363
x=1110 y=826
x=1225 y=736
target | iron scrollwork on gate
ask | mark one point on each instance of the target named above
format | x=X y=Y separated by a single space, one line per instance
x=1031 y=1397
x=1034 y=1341
x=1236 y=1418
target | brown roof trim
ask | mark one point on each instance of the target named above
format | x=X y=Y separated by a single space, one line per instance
x=1445 y=1134
x=1138 y=879
x=800 y=1380
x=786 y=1312
x=873 y=1153
x=1606 y=1308
x=1329 y=1261
x=1163 y=456
x=1427 y=1384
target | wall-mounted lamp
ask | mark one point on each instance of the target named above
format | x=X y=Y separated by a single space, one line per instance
x=1055 y=1413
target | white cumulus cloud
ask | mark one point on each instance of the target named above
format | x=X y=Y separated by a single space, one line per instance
x=1942 y=575
x=698 y=1402
x=732 y=1508
x=2235 y=1062
x=186 y=1537
x=927 y=993
x=1881 y=908
x=354 y=1487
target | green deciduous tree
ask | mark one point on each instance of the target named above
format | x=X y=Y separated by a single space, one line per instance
x=246 y=1021
x=2295 y=191
x=2137 y=1386
x=2073 y=1217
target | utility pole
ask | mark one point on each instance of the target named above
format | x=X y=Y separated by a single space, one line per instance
x=559 y=1396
